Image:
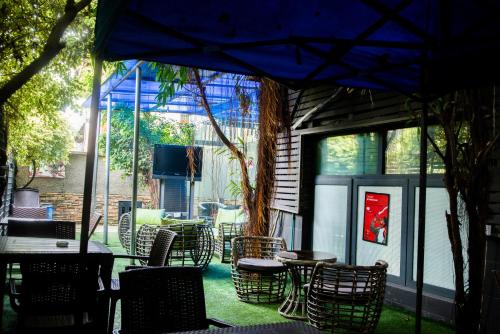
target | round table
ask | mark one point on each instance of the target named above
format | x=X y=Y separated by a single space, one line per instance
x=300 y=265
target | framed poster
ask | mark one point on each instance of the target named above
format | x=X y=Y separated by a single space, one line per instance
x=376 y=218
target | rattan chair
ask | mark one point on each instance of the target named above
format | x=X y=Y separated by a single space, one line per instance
x=226 y=232
x=163 y=300
x=95 y=218
x=57 y=296
x=258 y=281
x=59 y=229
x=40 y=229
x=158 y=256
x=124 y=225
x=346 y=297
x=194 y=245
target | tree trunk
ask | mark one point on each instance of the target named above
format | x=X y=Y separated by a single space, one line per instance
x=272 y=118
x=467 y=176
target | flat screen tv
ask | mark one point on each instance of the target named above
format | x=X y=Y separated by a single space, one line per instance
x=171 y=161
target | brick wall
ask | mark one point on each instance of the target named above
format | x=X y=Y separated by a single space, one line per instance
x=68 y=206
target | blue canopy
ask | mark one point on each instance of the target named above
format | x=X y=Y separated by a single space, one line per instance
x=220 y=90
x=401 y=45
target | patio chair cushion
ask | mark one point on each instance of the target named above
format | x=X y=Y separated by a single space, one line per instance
x=260 y=265
x=229 y=216
x=149 y=216
x=171 y=221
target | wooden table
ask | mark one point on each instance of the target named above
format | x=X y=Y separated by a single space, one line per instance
x=280 y=328
x=300 y=265
x=22 y=249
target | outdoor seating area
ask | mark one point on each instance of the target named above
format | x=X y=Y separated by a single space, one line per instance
x=270 y=167
x=224 y=300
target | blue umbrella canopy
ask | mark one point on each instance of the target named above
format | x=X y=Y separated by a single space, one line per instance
x=223 y=91
x=401 y=45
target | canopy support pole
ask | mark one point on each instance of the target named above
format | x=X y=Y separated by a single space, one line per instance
x=90 y=159
x=106 y=182
x=96 y=162
x=191 y=199
x=135 y=161
x=421 y=216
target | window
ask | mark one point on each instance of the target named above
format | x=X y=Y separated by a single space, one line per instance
x=348 y=155
x=402 y=154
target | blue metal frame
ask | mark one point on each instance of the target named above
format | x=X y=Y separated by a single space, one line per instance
x=220 y=91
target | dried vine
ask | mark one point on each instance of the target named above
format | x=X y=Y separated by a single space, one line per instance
x=273 y=117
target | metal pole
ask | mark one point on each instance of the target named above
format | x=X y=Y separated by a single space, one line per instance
x=106 y=182
x=421 y=216
x=96 y=163
x=137 y=118
x=122 y=78
x=89 y=163
x=191 y=199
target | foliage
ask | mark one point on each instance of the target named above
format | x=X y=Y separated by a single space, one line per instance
x=154 y=129
x=171 y=79
x=234 y=185
x=33 y=111
x=45 y=141
x=466 y=119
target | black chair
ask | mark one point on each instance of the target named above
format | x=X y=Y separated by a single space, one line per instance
x=158 y=256
x=58 y=295
x=163 y=300
x=58 y=229
x=40 y=229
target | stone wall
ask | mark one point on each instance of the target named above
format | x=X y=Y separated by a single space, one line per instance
x=68 y=206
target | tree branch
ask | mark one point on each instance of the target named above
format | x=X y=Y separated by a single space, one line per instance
x=246 y=187
x=436 y=148
x=51 y=49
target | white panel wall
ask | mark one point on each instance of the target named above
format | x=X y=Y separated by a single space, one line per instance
x=438 y=259
x=330 y=218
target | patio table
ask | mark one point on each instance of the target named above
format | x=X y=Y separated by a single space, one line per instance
x=279 y=328
x=21 y=249
x=300 y=265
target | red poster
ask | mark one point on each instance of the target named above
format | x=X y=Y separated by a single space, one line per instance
x=376 y=220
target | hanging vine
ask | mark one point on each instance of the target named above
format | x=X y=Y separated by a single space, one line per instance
x=273 y=118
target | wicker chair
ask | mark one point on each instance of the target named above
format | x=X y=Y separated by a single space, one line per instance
x=346 y=297
x=124 y=225
x=41 y=229
x=158 y=256
x=57 y=296
x=59 y=229
x=194 y=245
x=226 y=232
x=258 y=281
x=95 y=218
x=163 y=300
x=27 y=204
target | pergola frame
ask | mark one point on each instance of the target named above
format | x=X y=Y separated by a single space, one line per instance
x=338 y=48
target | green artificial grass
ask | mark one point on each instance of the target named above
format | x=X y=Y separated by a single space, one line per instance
x=221 y=303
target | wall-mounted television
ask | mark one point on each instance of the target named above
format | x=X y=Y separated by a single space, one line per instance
x=171 y=161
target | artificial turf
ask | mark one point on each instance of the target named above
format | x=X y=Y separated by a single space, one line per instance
x=221 y=303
